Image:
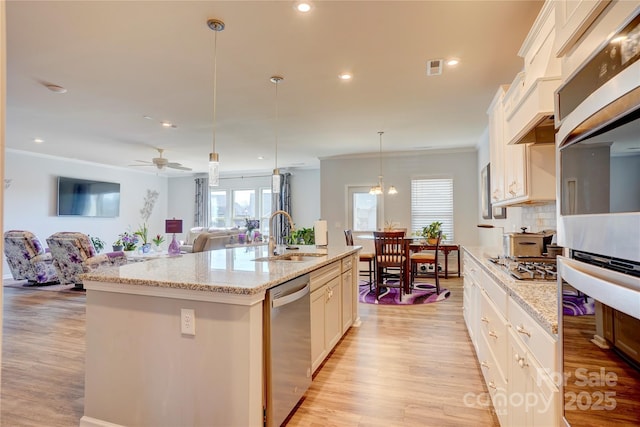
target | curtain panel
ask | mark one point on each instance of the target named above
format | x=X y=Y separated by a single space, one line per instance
x=201 y=215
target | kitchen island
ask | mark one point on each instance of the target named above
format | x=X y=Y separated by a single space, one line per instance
x=142 y=370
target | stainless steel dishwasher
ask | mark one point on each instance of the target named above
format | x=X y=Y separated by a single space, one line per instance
x=287 y=343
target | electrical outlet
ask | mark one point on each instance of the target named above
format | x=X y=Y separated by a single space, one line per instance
x=187 y=321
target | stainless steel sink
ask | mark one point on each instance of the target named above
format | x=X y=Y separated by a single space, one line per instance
x=299 y=257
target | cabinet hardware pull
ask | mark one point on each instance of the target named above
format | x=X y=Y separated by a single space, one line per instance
x=484 y=319
x=484 y=364
x=492 y=385
x=493 y=334
x=523 y=331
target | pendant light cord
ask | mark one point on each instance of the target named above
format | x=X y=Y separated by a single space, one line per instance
x=277 y=116
x=215 y=85
x=380 y=177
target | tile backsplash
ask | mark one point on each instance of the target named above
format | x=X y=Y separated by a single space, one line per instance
x=540 y=217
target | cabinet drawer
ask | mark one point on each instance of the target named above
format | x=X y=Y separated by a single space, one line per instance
x=495 y=292
x=347 y=264
x=493 y=328
x=494 y=380
x=536 y=340
x=324 y=274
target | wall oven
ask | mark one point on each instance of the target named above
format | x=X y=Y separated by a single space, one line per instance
x=598 y=139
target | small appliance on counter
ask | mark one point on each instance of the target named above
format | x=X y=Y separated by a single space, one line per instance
x=522 y=244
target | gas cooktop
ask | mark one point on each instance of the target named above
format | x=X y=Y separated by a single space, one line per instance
x=528 y=268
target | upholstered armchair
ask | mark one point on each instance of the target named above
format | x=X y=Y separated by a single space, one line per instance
x=74 y=254
x=27 y=258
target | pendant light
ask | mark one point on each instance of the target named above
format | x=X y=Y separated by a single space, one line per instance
x=214 y=160
x=275 y=178
x=379 y=189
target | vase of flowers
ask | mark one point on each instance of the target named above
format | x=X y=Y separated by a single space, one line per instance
x=129 y=241
x=157 y=241
x=251 y=224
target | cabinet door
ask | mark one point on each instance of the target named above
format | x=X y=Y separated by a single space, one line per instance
x=515 y=171
x=318 y=349
x=333 y=314
x=496 y=145
x=347 y=300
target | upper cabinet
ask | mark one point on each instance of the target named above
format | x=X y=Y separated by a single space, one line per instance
x=573 y=18
x=521 y=125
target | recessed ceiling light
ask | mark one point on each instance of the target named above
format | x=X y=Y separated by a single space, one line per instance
x=38 y=140
x=55 y=88
x=147 y=117
x=452 y=62
x=303 y=7
x=168 y=125
x=345 y=76
x=260 y=157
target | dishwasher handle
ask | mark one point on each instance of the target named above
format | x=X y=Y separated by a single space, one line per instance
x=289 y=298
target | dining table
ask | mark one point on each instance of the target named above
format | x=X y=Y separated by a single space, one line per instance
x=416 y=244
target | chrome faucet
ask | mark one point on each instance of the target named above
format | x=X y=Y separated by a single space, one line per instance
x=272 y=240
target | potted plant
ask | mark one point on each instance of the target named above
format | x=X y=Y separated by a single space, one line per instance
x=302 y=236
x=158 y=240
x=128 y=240
x=143 y=233
x=430 y=232
x=98 y=243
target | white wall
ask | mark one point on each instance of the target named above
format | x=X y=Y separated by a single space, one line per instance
x=399 y=169
x=305 y=197
x=30 y=201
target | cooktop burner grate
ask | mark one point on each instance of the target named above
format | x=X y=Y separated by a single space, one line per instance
x=528 y=268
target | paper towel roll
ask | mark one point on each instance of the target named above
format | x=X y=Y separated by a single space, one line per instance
x=321 y=233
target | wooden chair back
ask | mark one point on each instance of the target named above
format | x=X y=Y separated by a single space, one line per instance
x=391 y=248
x=348 y=236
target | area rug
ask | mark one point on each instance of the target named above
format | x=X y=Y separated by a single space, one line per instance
x=423 y=293
x=577 y=305
x=23 y=284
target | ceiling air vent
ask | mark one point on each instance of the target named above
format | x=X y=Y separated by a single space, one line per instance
x=434 y=67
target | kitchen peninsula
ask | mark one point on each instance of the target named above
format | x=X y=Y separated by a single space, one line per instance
x=141 y=369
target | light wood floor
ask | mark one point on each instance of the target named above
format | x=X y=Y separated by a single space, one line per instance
x=405 y=366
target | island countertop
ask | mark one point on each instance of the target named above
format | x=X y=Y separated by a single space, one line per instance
x=227 y=271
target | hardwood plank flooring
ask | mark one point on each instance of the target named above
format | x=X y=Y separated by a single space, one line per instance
x=405 y=366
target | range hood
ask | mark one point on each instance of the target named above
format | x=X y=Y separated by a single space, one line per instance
x=529 y=114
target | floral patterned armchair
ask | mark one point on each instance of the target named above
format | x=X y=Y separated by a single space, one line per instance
x=74 y=254
x=27 y=258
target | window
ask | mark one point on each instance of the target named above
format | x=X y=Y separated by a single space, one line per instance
x=432 y=200
x=218 y=208
x=364 y=210
x=265 y=209
x=244 y=206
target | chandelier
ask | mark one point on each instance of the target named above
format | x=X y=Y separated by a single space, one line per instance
x=379 y=189
x=214 y=160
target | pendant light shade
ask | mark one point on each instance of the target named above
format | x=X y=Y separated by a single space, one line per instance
x=379 y=189
x=214 y=159
x=275 y=178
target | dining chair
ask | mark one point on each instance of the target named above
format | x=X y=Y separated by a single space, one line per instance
x=424 y=257
x=391 y=252
x=367 y=257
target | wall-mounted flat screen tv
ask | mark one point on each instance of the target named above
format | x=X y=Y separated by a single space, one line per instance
x=83 y=197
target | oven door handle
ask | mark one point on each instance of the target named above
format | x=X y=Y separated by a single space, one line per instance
x=617 y=290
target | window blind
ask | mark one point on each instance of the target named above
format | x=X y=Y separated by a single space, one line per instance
x=432 y=200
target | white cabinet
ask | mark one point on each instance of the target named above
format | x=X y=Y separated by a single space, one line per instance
x=516 y=355
x=332 y=308
x=496 y=144
x=573 y=18
x=347 y=293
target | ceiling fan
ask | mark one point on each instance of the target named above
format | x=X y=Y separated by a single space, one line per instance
x=162 y=162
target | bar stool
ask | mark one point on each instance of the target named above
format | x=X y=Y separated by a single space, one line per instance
x=426 y=258
x=367 y=257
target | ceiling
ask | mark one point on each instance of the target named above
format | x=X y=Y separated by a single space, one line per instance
x=123 y=60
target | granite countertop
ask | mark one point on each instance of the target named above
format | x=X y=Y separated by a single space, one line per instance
x=229 y=271
x=538 y=298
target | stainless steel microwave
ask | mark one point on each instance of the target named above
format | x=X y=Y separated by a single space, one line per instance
x=598 y=113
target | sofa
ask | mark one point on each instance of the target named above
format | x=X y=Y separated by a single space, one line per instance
x=27 y=259
x=201 y=239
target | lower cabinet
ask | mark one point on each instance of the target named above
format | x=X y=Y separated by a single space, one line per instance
x=516 y=355
x=332 y=309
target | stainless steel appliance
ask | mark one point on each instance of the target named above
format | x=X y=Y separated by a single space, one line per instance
x=598 y=120
x=522 y=244
x=600 y=350
x=598 y=113
x=287 y=342
x=528 y=268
